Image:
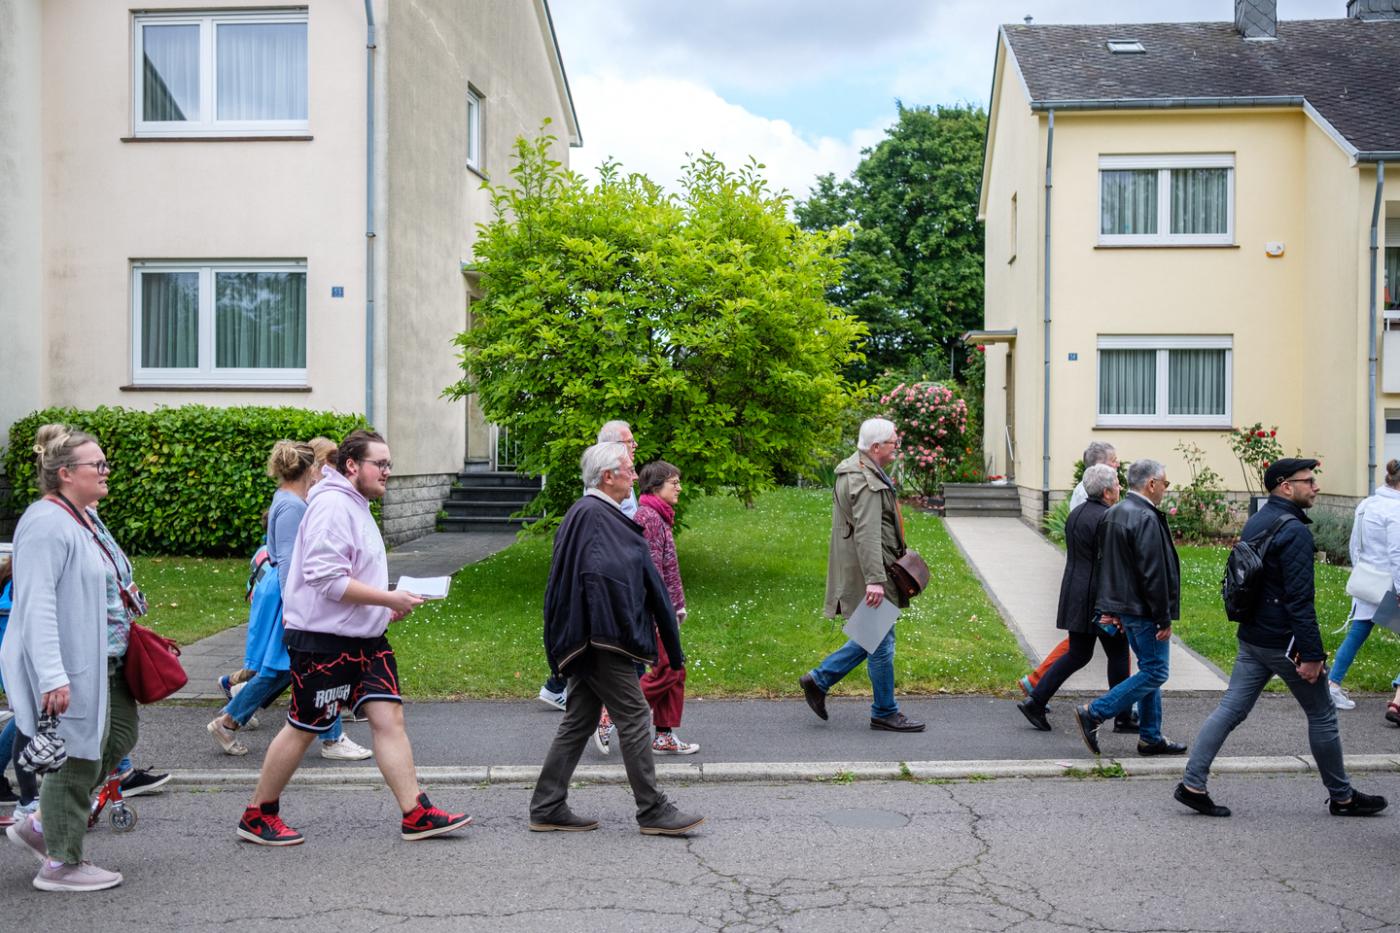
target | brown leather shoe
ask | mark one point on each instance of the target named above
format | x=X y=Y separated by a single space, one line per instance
x=816 y=697
x=896 y=723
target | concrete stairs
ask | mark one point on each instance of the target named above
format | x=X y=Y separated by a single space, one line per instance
x=485 y=501
x=980 y=500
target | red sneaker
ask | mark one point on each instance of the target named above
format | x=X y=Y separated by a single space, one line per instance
x=263 y=826
x=427 y=820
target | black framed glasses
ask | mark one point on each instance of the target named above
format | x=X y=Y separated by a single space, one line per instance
x=385 y=466
x=103 y=466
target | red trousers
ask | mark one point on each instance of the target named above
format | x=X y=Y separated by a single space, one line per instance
x=664 y=690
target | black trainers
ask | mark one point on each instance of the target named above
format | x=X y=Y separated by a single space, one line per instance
x=426 y=820
x=142 y=781
x=1035 y=713
x=671 y=822
x=1359 y=805
x=1201 y=803
x=8 y=797
x=815 y=696
x=262 y=825
x=1163 y=746
x=1088 y=728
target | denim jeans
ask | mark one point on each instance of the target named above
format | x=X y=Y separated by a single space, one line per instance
x=879 y=665
x=1254 y=666
x=260 y=692
x=1143 y=688
x=1357 y=633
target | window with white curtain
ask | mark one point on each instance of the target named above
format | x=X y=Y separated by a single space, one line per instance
x=209 y=323
x=220 y=74
x=1167 y=200
x=473 y=129
x=1146 y=381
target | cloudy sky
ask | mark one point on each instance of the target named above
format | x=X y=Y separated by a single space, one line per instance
x=801 y=85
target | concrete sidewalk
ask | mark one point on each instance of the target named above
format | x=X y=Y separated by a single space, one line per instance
x=1021 y=571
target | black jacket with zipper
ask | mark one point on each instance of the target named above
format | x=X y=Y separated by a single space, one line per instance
x=1139 y=571
x=1081 y=578
x=1286 y=604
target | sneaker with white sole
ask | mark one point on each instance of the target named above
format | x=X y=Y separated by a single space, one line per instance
x=556 y=700
x=83 y=876
x=342 y=749
x=225 y=737
x=23 y=834
x=1339 y=697
x=227 y=688
x=668 y=743
x=605 y=727
x=142 y=781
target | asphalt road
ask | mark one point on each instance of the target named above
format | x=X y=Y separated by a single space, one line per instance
x=1046 y=856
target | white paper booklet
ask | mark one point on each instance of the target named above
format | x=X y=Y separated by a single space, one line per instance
x=426 y=587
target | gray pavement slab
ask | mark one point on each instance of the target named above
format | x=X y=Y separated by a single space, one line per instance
x=444 y=553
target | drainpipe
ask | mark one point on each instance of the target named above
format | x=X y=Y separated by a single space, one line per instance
x=1371 y=432
x=1045 y=427
x=369 y=215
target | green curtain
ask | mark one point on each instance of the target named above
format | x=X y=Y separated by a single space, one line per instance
x=1200 y=200
x=1129 y=201
x=1392 y=277
x=260 y=320
x=1127 y=382
x=1196 y=382
x=170 y=89
x=169 y=320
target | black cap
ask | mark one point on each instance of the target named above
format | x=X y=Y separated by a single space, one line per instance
x=1280 y=470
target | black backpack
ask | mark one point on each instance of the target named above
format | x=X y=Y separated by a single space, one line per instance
x=1244 y=574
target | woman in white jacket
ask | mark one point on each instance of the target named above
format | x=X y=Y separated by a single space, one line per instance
x=1375 y=540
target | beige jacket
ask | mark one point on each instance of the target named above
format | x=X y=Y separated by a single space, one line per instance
x=865 y=536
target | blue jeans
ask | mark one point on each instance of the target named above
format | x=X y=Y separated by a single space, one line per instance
x=7 y=743
x=879 y=665
x=1143 y=688
x=1254 y=666
x=260 y=692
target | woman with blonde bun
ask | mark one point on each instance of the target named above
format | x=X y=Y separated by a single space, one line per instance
x=65 y=651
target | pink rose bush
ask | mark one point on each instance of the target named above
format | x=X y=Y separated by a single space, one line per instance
x=931 y=420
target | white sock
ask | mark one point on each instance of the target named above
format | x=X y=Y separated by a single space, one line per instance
x=38 y=827
x=53 y=864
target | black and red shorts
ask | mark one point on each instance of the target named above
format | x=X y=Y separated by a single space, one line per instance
x=326 y=682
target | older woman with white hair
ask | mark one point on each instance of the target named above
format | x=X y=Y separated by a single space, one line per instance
x=867 y=537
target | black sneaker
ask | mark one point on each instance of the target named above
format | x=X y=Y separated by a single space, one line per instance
x=426 y=820
x=142 y=781
x=1088 y=728
x=1201 y=803
x=262 y=825
x=1163 y=746
x=8 y=797
x=1035 y=713
x=1359 y=805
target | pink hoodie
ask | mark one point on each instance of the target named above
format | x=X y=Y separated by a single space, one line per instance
x=338 y=541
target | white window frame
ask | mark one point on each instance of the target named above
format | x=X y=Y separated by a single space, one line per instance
x=1164 y=165
x=1164 y=344
x=473 y=129
x=207 y=124
x=206 y=373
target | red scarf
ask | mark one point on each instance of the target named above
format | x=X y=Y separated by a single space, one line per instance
x=662 y=508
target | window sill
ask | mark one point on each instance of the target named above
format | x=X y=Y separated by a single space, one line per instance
x=1168 y=246
x=478 y=173
x=216 y=387
x=217 y=139
x=1223 y=428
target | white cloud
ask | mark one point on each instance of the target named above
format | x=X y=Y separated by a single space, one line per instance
x=648 y=125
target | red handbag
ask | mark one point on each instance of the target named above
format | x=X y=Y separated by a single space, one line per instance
x=153 y=669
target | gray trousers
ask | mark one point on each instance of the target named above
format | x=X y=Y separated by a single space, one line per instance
x=614 y=683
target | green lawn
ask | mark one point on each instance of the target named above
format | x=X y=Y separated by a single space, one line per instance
x=1204 y=627
x=755 y=583
x=192 y=597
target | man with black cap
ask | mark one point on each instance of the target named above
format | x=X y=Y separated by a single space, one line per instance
x=1282 y=639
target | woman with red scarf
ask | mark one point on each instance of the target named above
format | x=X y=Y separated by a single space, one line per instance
x=664 y=688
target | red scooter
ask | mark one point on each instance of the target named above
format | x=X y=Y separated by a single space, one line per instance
x=121 y=816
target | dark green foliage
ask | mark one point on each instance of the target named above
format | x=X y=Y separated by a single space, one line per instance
x=188 y=480
x=1331 y=531
x=914 y=263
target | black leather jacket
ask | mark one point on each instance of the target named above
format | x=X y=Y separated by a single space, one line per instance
x=1139 y=571
x=1077 y=587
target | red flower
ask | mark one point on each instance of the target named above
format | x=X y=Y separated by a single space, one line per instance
x=1259 y=434
x=1272 y=433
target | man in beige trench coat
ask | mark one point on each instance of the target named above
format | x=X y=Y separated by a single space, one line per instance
x=866 y=538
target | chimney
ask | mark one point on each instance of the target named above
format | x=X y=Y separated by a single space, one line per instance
x=1258 y=19
x=1373 y=9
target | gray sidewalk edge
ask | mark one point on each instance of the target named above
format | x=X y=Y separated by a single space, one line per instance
x=749 y=771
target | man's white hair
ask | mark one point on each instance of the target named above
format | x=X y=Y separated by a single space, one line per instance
x=874 y=431
x=1098 y=479
x=599 y=458
x=611 y=433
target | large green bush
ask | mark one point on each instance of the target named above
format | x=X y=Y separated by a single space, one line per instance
x=189 y=480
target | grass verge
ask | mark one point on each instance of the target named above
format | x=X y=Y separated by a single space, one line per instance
x=192 y=597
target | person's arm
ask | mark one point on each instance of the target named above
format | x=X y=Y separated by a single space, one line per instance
x=866 y=518
x=1296 y=552
x=399 y=602
x=282 y=540
x=39 y=562
x=1354 y=543
x=1150 y=547
x=658 y=602
x=1389 y=528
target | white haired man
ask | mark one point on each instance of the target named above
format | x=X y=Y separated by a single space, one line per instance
x=604 y=593
x=866 y=538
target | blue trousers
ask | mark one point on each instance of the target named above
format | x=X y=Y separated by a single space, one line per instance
x=1144 y=687
x=879 y=664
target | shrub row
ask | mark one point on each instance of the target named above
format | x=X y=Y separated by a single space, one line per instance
x=188 y=480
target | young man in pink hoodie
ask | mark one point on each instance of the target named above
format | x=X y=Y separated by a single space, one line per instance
x=337 y=608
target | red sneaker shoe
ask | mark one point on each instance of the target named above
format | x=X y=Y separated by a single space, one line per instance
x=263 y=826
x=427 y=820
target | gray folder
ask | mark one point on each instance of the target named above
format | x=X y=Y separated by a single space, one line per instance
x=868 y=627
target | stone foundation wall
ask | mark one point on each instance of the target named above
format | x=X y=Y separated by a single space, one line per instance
x=411 y=504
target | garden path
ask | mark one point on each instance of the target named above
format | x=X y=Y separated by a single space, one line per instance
x=1021 y=572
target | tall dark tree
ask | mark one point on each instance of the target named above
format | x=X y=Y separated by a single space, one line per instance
x=914 y=265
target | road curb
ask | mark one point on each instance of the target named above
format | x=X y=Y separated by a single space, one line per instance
x=767 y=772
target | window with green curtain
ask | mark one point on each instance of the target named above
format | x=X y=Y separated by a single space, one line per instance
x=1127 y=382
x=1129 y=201
x=170 y=86
x=1392 y=277
x=170 y=320
x=260 y=320
x=1200 y=200
x=1196 y=382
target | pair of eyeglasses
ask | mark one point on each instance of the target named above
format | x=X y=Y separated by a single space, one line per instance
x=385 y=466
x=674 y=481
x=1311 y=481
x=103 y=466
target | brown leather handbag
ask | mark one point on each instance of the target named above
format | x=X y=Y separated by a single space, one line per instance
x=910 y=574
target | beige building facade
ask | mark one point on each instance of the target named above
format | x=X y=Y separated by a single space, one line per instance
x=183 y=213
x=1207 y=261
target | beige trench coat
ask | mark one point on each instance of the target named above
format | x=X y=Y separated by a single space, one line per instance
x=865 y=536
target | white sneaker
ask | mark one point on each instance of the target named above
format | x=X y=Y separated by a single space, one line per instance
x=252 y=723
x=5 y=717
x=556 y=700
x=668 y=743
x=342 y=749
x=83 y=876
x=1339 y=697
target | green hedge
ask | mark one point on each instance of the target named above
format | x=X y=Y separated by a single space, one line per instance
x=189 y=480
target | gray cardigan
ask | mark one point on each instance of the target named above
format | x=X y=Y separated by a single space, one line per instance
x=57 y=633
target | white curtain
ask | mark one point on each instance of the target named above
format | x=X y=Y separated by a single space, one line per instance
x=1196 y=382
x=169 y=320
x=1129 y=201
x=1127 y=382
x=260 y=320
x=170 y=89
x=1200 y=200
x=261 y=71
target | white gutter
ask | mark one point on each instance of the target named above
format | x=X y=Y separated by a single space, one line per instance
x=369 y=214
x=1371 y=427
x=1045 y=428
